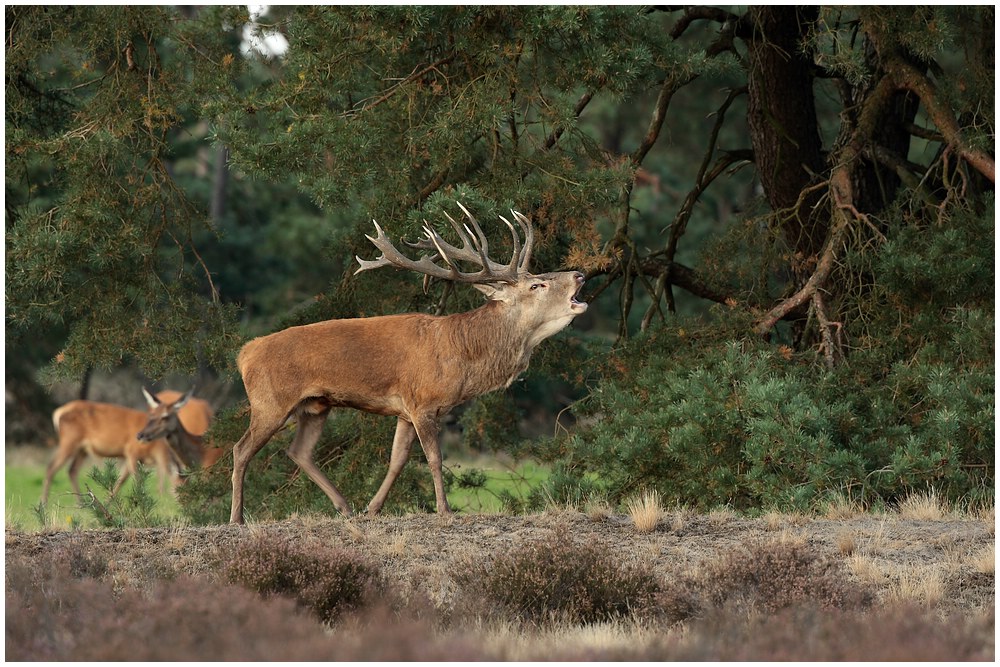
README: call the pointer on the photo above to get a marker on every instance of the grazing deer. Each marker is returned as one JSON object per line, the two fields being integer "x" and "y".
{"x": 415, "y": 367}
{"x": 106, "y": 430}
{"x": 164, "y": 421}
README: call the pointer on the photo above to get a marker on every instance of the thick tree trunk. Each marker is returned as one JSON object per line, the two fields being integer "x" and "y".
{"x": 783, "y": 127}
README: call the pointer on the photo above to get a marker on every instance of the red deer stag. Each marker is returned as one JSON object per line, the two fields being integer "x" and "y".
{"x": 413, "y": 366}
{"x": 164, "y": 421}
{"x": 107, "y": 430}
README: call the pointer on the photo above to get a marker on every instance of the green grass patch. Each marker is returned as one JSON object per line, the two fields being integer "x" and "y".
{"x": 483, "y": 486}
{"x": 23, "y": 489}
{"x": 492, "y": 487}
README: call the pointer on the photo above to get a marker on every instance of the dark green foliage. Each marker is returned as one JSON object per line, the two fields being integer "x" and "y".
{"x": 558, "y": 580}
{"x": 327, "y": 581}
{"x": 134, "y": 507}
{"x": 710, "y": 416}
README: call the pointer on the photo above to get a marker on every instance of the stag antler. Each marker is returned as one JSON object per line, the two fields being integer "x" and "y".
{"x": 475, "y": 250}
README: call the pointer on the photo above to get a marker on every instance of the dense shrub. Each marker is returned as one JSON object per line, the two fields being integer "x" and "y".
{"x": 766, "y": 578}
{"x": 805, "y": 633}
{"x": 327, "y": 580}
{"x": 556, "y": 579}
{"x": 54, "y": 617}
{"x": 710, "y": 414}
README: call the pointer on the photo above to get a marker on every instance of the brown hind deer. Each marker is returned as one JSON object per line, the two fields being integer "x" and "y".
{"x": 415, "y": 367}
{"x": 165, "y": 422}
{"x": 107, "y": 430}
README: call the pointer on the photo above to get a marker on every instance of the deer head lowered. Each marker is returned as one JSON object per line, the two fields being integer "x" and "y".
{"x": 415, "y": 367}
{"x": 163, "y": 422}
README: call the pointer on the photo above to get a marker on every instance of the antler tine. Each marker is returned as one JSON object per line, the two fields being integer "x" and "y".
{"x": 475, "y": 250}
{"x": 529, "y": 239}
{"x": 434, "y": 237}
{"x": 461, "y": 231}
{"x": 483, "y": 246}
{"x": 515, "y": 258}
{"x": 392, "y": 257}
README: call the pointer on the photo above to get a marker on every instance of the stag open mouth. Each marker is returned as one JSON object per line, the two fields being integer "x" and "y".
{"x": 575, "y": 304}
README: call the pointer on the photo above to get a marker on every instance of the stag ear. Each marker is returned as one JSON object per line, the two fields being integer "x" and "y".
{"x": 151, "y": 400}
{"x": 494, "y": 291}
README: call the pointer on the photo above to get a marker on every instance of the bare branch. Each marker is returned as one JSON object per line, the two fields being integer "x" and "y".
{"x": 581, "y": 104}
{"x": 906, "y": 76}
{"x": 692, "y": 14}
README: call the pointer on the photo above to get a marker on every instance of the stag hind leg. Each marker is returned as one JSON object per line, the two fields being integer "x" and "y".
{"x": 405, "y": 433}
{"x": 301, "y": 451}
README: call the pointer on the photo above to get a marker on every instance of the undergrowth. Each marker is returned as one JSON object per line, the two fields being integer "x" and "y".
{"x": 556, "y": 578}
{"x": 64, "y": 605}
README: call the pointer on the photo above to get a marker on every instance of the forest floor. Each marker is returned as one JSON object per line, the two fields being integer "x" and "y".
{"x": 923, "y": 557}
{"x": 947, "y": 562}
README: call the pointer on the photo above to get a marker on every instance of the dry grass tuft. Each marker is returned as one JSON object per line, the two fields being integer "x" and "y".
{"x": 721, "y": 515}
{"x": 984, "y": 560}
{"x": 924, "y": 506}
{"x": 846, "y": 543}
{"x": 839, "y": 507}
{"x": 680, "y": 517}
{"x": 645, "y": 511}
{"x": 925, "y": 586}
{"x": 866, "y": 570}
{"x": 597, "y": 509}
{"x": 357, "y": 532}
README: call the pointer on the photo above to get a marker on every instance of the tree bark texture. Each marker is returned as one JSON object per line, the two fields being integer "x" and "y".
{"x": 783, "y": 127}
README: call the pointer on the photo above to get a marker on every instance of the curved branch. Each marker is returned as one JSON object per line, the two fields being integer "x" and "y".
{"x": 692, "y": 14}
{"x": 670, "y": 86}
{"x": 906, "y": 76}
{"x": 842, "y": 192}
{"x": 684, "y": 277}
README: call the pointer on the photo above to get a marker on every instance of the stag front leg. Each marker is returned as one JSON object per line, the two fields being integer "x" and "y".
{"x": 400, "y": 452}
{"x": 427, "y": 432}
{"x": 301, "y": 451}
{"x": 260, "y": 431}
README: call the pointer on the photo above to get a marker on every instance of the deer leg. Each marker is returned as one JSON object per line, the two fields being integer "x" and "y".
{"x": 164, "y": 470}
{"x": 301, "y": 451}
{"x": 400, "y": 452}
{"x": 127, "y": 469}
{"x": 74, "y": 473}
{"x": 253, "y": 440}
{"x": 62, "y": 455}
{"x": 427, "y": 432}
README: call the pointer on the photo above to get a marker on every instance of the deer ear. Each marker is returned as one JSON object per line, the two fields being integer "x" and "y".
{"x": 151, "y": 400}
{"x": 183, "y": 399}
{"x": 494, "y": 291}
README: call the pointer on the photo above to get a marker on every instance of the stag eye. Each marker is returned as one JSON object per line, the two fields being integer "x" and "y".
{"x": 537, "y": 285}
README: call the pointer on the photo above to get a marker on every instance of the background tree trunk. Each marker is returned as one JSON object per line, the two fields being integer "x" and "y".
{"x": 783, "y": 127}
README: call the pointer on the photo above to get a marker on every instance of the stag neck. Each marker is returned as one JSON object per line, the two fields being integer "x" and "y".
{"x": 490, "y": 337}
